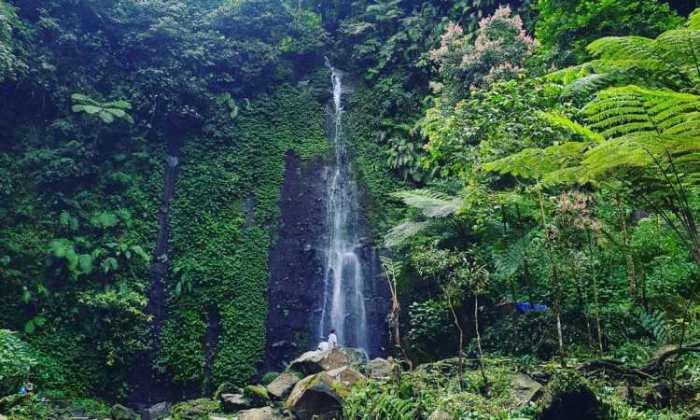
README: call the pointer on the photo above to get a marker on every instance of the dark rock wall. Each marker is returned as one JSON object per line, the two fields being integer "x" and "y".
{"x": 295, "y": 289}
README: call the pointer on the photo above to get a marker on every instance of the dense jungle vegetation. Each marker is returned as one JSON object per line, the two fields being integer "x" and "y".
{"x": 530, "y": 171}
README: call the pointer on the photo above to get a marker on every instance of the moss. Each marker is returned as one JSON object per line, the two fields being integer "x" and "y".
{"x": 199, "y": 409}
{"x": 257, "y": 393}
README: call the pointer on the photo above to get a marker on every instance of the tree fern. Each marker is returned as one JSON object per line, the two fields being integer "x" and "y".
{"x": 627, "y": 127}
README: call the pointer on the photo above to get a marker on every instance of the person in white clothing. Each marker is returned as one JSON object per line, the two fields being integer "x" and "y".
{"x": 332, "y": 340}
{"x": 323, "y": 346}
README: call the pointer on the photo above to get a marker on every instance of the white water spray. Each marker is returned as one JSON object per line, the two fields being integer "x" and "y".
{"x": 344, "y": 281}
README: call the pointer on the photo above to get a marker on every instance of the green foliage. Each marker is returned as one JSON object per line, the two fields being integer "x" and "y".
{"x": 373, "y": 402}
{"x": 106, "y": 111}
{"x": 18, "y": 362}
{"x": 569, "y": 25}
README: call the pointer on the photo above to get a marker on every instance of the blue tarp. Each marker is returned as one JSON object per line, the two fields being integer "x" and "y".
{"x": 525, "y": 307}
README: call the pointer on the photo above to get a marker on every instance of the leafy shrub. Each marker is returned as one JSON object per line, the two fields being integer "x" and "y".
{"x": 17, "y": 362}
{"x": 269, "y": 377}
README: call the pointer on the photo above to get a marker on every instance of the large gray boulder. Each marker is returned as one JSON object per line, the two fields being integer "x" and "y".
{"x": 120, "y": 412}
{"x": 346, "y": 376}
{"x": 316, "y": 397}
{"x": 234, "y": 402}
{"x": 381, "y": 368}
{"x": 265, "y": 413}
{"x": 282, "y": 385}
{"x": 158, "y": 411}
{"x": 313, "y": 362}
{"x": 525, "y": 389}
{"x": 440, "y": 415}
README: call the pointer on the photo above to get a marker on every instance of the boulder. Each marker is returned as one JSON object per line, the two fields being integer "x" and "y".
{"x": 257, "y": 394}
{"x": 568, "y": 397}
{"x": 120, "y": 412}
{"x": 357, "y": 356}
{"x": 316, "y": 397}
{"x": 282, "y": 385}
{"x": 313, "y": 362}
{"x": 346, "y": 376}
{"x": 158, "y": 411}
{"x": 265, "y": 413}
{"x": 440, "y": 415}
{"x": 195, "y": 409}
{"x": 234, "y": 402}
{"x": 381, "y": 368}
{"x": 525, "y": 389}
{"x": 225, "y": 388}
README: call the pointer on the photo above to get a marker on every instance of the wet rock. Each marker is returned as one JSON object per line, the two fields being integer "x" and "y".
{"x": 568, "y": 397}
{"x": 265, "y": 413}
{"x": 316, "y": 397}
{"x": 158, "y": 411}
{"x": 234, "y": 402}
{"x": 282, "y": 385}
{"x": 381, "y": 368}
{"x": 525, "y": 389}
{"x": 120, "y": 412}
{"x": 439, "y": 415}
{"x": 257, "y": 394}
{"x": 357, "y": 356}
{"x": 346, "y": 376}
{"x": 313, "y": 362}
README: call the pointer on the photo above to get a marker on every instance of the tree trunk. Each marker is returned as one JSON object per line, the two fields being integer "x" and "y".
{"x": 478, "y": 342}
{"x": 629, "y": 259}
{"x": 460, "y": 355}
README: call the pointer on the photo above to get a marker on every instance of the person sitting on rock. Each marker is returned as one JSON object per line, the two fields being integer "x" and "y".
{"x": 332, "y": 340}
{"x": 323, "y": 346}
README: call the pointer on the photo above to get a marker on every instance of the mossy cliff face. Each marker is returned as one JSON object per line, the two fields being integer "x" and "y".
{"x": 224, "y": 221}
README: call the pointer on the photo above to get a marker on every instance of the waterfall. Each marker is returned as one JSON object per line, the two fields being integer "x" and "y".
{"x": 344, "y": 277}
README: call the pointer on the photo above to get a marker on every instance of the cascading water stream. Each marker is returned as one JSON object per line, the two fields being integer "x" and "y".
{"x": 344, "y": 279}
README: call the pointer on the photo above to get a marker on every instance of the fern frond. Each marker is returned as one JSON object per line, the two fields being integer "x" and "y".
{"x": 679, "y": 45}
{"x": 694, "y": 20}
{"x": 509, "y": 261}
{"x": 637, "y": 150}
{"x": 400, "y": 233}
{"x": 533, "y": 163}
{"x": 623, "y": 47}
{"x": 589, "y": 84}
{"x": 432, "y": 204}
{"x": 627, "y": 110}
{"x": 559, "y": 120}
